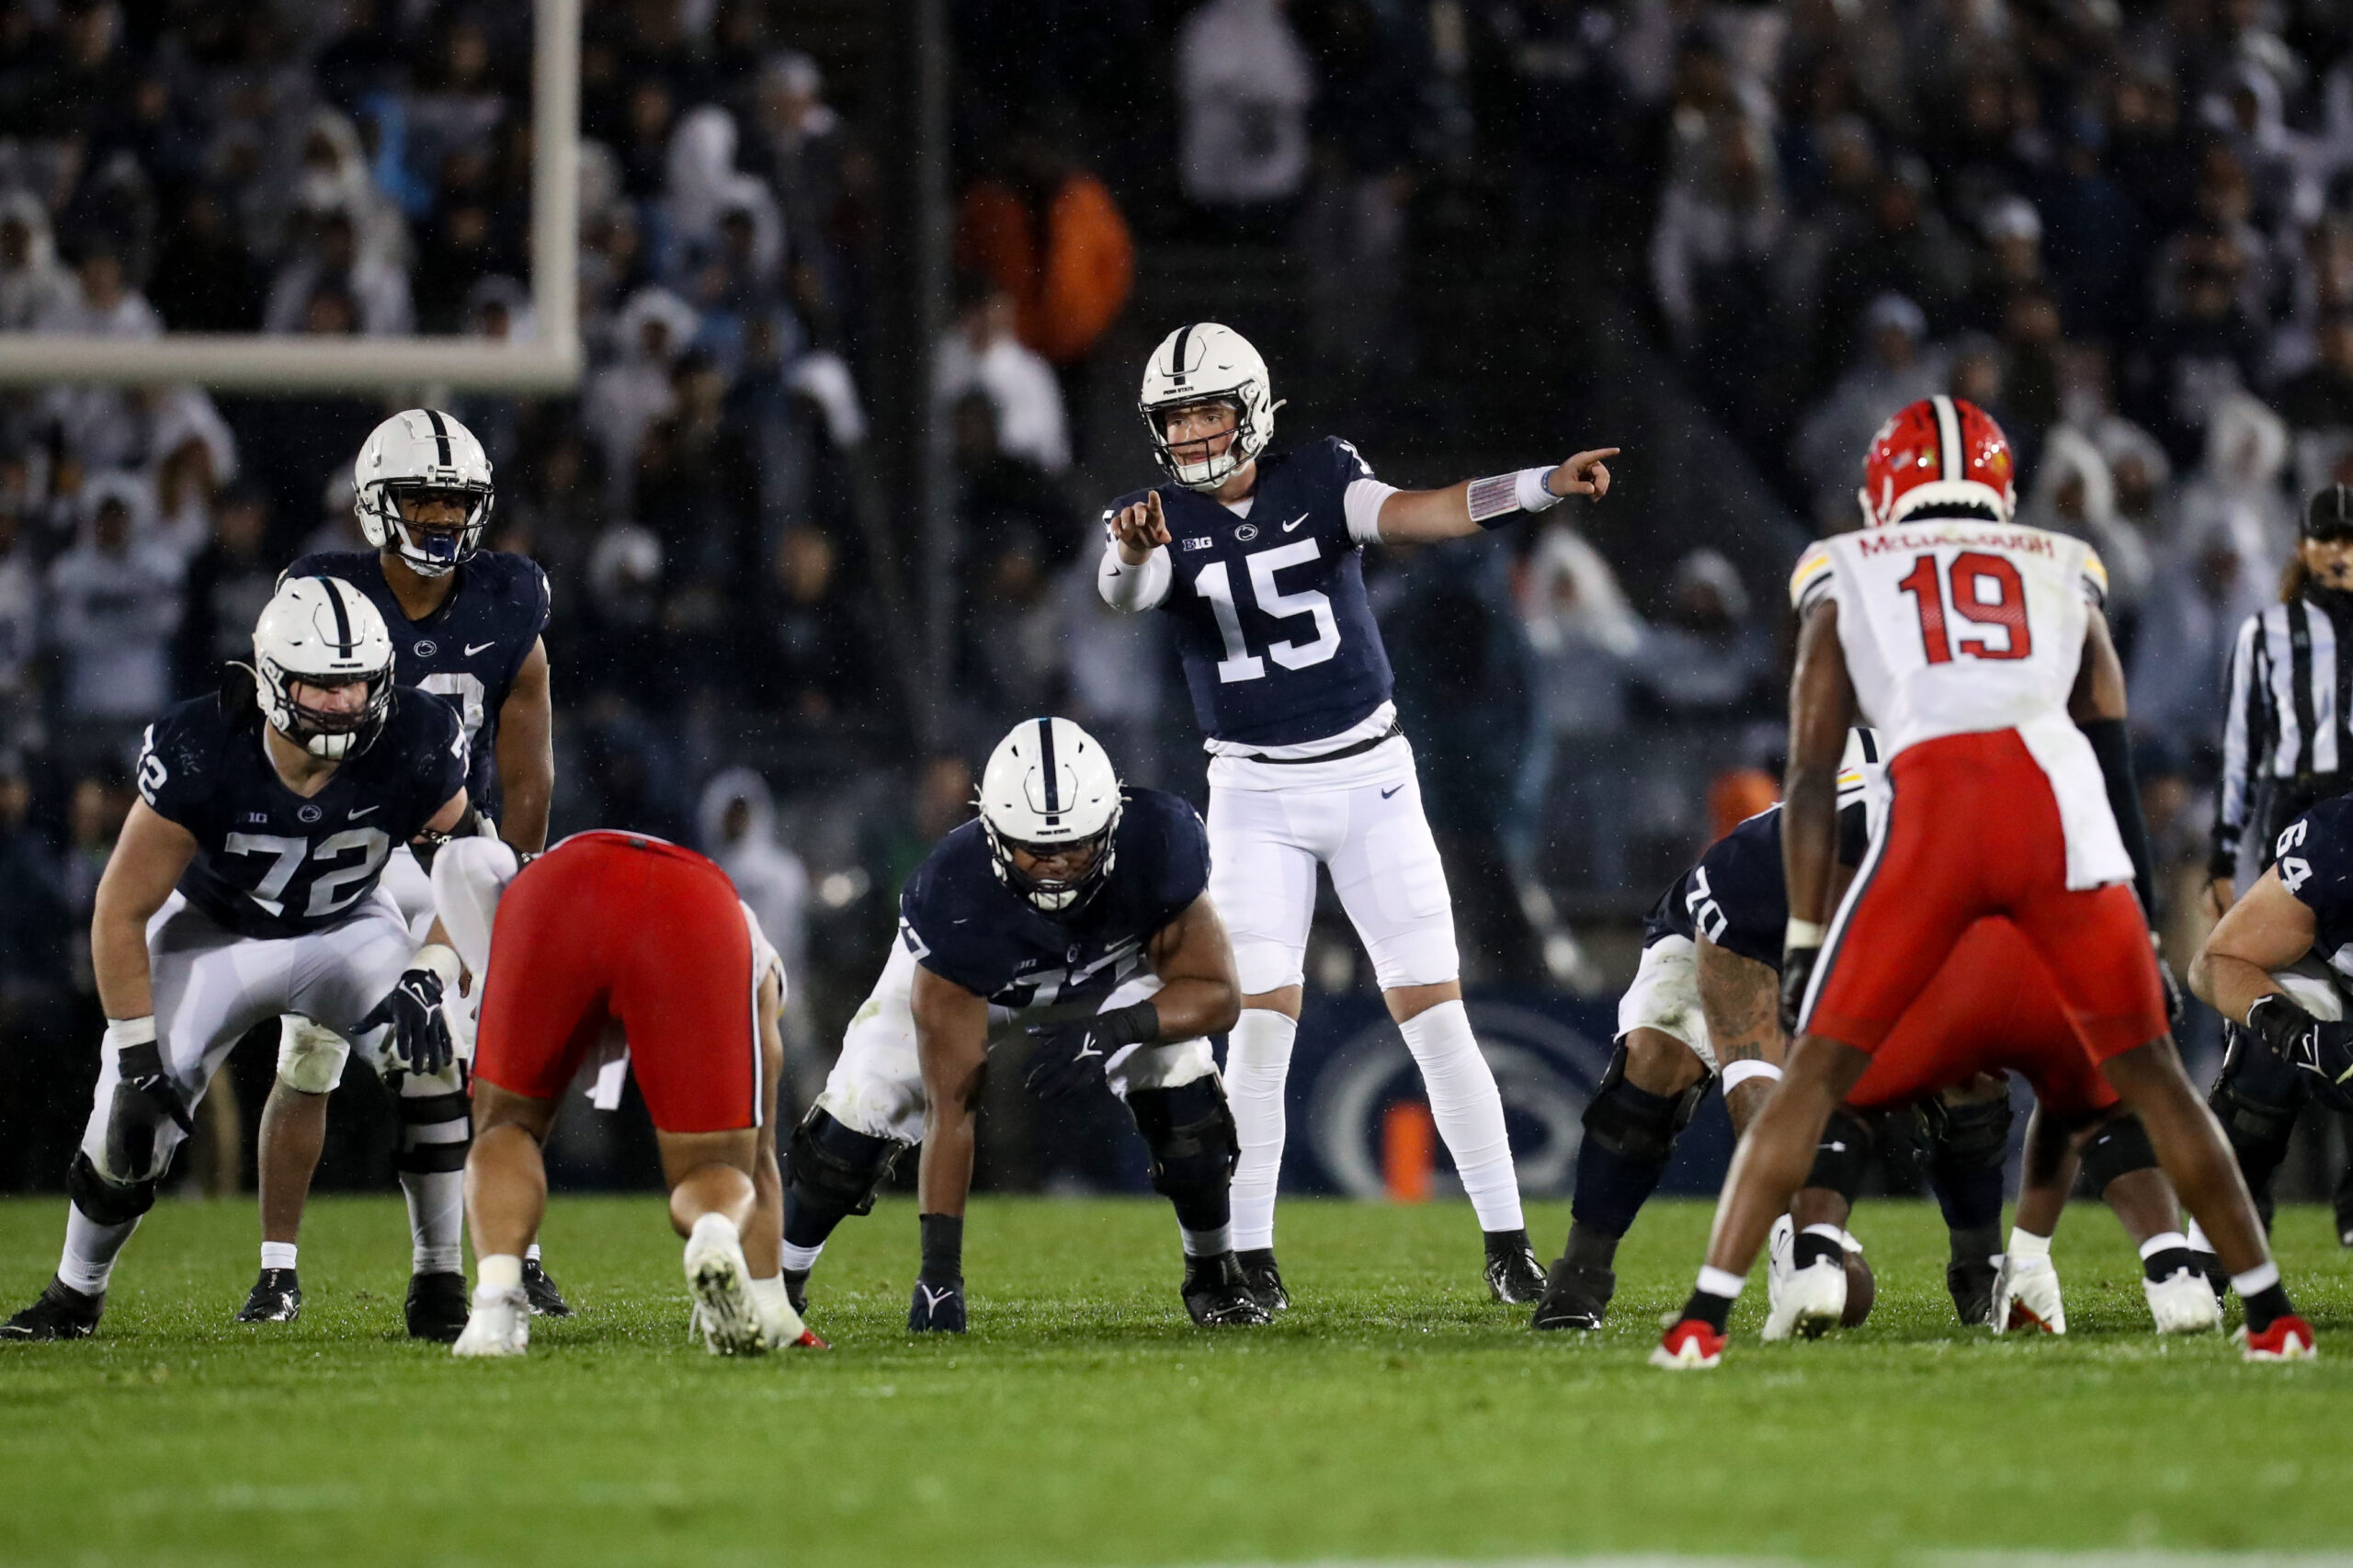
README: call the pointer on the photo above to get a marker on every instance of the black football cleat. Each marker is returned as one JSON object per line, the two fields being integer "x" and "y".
{"x": 1577, "y": 1296}
{"x": 60, "y": 1311}
{"x": 438, "y": 1307}
{"x": 1264, "y": 1279}
{"x": 276, "y": 1297}
{"x": 1514, "y": 1277}
{"x": 1971, "y": 1285}
{"x": 796, "y": 1289}
{"x": 539, "y": 1288}
{"x": 1217, "y": 1293}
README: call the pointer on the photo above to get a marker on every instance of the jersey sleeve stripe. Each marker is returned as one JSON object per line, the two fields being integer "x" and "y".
{"x": 1811, "y": 578}
{"x": 2095, "y": 577}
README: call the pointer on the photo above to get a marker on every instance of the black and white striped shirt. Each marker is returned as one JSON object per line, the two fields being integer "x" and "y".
{"x": 2291, "y": 702}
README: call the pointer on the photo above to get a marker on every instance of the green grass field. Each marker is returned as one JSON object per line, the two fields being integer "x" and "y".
{"x": 1391, "y": 1413}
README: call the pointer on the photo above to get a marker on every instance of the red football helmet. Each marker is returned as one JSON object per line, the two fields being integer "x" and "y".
{"x": 1939, "y": 451}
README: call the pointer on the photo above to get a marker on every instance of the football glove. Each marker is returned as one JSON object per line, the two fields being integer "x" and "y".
{"x": 141, "y": 1090}
{"x": 937, "y": 1308}
{"x": 1070, "y": 1057}
{"x": 420, "y": 1039}
{"x": 1797, "y": 974}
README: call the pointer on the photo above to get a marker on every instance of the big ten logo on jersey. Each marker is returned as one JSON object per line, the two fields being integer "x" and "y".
{"x": 2294, "y": 870}
{"x": 1035, "y": 985}
{"x": 1270, "y": 603}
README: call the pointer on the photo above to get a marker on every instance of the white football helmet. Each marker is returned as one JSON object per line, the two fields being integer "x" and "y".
{"x": 1049, "y": 788}
{"x": 323, "y": 632}
{"x": 1207, "y": 363}
{"x": 416, "y": 452}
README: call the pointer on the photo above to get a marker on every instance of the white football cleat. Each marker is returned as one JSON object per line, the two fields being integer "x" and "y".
{"x": 2026, "y": 1295}
{"x": 1811, "y": 1301}
{"x": 2184, "y": 1303}
{"x": 721, "y": 1282}
{"x": 1781, "y": 1246}
{"x": 499, "y": 1325}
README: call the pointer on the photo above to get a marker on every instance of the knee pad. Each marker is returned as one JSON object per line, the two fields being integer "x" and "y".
{"x": 310, "y": 1056}
{"x": 837, "y": 1168}
{"x": 2254, "y": 1075}
{"x": 103, "y": 1202}
{"x": 2120, "y": 1147}
{"x": 1189, "y": 1131}
{"x": 1844, "y": 1154}
{"x": 2253, "y": 1123}
{"x": 1634, "y": 1122}
{"x": 1965, "y": 1138}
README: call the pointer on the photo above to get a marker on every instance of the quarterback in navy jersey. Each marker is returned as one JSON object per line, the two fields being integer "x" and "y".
{"x": 1259, "y": 557}
{"x": 465, "y": 624}
{"x": 246, "y": 882}
{"x": 1077, "y": 911}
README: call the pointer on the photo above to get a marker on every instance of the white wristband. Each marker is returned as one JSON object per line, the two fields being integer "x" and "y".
{"x": 1736, "y": 1074}
{"x": 1803, "y": 934}
{"x": 442, "y": 960}
{"x": 123, "y": 1033}
{"x": 1535, "y": 494}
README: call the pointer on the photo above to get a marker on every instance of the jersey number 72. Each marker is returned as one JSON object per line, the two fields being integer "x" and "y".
{"x": 1972, "y": 574}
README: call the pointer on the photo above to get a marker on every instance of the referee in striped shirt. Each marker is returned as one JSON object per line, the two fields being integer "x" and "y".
{"x": 2287, "y": 744}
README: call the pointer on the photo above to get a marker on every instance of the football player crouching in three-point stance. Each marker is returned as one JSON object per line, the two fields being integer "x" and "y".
{"x": 465, "y": 624}
{"x": 246, "y": 883}
{"x": 1077, "y": 911}
{"x": 1706, "y": 1002}
{"x": 1259, "y": 558}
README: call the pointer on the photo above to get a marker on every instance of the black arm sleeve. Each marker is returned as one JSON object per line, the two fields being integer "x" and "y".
{"x": 2113, "y": 745}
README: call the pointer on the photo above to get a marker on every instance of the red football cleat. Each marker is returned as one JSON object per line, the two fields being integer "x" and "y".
{"x": 2289, "y": 1338}
{"x": 1691, "y": 1345}
{"x": 809, "y": 1341}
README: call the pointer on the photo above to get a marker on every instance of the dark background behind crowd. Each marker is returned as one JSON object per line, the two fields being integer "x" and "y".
{"x": 1468, "y": 234}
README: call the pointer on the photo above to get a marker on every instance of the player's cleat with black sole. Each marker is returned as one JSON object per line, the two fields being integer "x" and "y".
{"x": 796, "y": 1289}
{"x": 1577, "y": 1296}
{"x": 1217, "y": 1293}
{"x": 2289, "y": 1338}
{"x": 1514, "y": 1277}
{"x": 276, "y": 1297}
{"x": 1264, "y": 1279}
{"x": 1971, "y": 1285}
{"x": 60, "y": 1311}
{"x": 539, "y": 1288}
{"x": 438, "y": 1307}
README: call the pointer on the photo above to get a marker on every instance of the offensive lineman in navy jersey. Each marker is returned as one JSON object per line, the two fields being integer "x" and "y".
{"x": 1258, "y": 558}
{"x": 465, "y": 624}
{"x": 246, "y": 882}
{"x": 1079, "y": 912}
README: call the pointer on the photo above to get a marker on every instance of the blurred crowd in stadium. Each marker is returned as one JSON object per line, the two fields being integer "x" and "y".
{"x": 2124, "y": 227}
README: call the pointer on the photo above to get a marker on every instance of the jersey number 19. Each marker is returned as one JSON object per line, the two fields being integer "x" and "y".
{"x": 1973, "y": 574}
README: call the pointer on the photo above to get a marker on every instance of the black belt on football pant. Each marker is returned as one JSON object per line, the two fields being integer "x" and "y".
{"x": 1358, "y": 749}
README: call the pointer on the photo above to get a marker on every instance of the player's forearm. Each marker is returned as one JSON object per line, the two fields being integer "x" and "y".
{"x": 528, "y": 792}
{"x": 1189, "y": 1009}
{"x": 944, "y": 1177}
{"x": 1741, "y": 1001}
{"x": 1130, "y": 580}
{"x": 1426, "y": 516}
{"x": 2228, "y": 984}
{"x": 119, "y": 958}
{"x": 1810, "y": 840}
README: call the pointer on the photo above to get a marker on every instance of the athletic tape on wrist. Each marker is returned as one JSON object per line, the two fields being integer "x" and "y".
{"x": 1500, "y": 495}
{"x": 123, "y": 1033}
{"x": 1736, "y": 1074}
{"x": 442, "y": 959}
{"x": 1803, "y": 934}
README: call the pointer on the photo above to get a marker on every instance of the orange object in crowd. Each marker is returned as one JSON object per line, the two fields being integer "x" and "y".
{"x": 1070, "y": 282}
{"x": 1408, "y": 1151}
{"x": 1737, "y": 795}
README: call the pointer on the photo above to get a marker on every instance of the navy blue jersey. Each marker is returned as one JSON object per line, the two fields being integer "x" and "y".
{"x": 964, "y": 924}
{"x": 468, "y": 651}
{"x": 268, "y": 862}
{"x": 1736, "y": 893}
{"x": 2315, "y": 864}
{"x": 1278, "y": 638}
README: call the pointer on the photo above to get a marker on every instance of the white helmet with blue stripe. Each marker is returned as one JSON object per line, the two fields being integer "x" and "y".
{"x": 1048, "y": 791}
{"x": 1207, "y": 362}
{"x": 323, "y": 632}
{"x": 416, "y": 453}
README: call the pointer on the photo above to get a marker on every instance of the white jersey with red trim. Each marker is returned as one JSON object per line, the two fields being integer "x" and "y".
{"x": 1952, "y": 626}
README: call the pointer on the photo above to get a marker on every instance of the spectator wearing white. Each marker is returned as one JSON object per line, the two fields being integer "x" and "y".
{"x": 2236, "y": 488}
{"x": 334, "y": 173}
{"x": 20, "y": 593}
{"x": 193, "y": 455}
{"x": 627, "y": 396}
{"x": 985, "y": 354}
{"x": 737, "y": 822}
{"x": 102, "y": 304}
{"x": 2073, "y": 493}
{"x": 330, "y": 252}
{"x": 1895, "y": 369}
{"x": 702, "y": 185}
{"x": 1731, "y": 218}
{"x": 33, "y": 287}
{"x": 113, "y": 604}
{"x": 1585, "y": 633}
{"x": 1244, "y": 83}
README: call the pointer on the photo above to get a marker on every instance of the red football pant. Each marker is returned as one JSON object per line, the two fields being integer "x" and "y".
{"x": 1993, "y": 1007}
{"x": 1973, "y": 831}
{"x": 613, "y": 928}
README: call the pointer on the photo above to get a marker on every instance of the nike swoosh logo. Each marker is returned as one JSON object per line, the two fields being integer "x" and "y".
{"x": 1391, "y": 791}
{"x": 358, "y": 811}
{"x": 475, "y": 648}
{"x": 931, "y": 1297}
{"x": 1086, "y": 1050}
{"x": 1294, "y": 522}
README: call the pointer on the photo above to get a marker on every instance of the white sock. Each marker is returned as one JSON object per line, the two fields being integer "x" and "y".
{"x": 499, "y": 1271}
{"x": 278, "y": 1255}
{"x": 2027, "y": 1246}
{"x": 1469, "y": 1111}
{"x": 1257, "y": 1061}
{"x": 531, "y": 1252}
{"x": 801, "y": 1260}
{"x": 436, "y": 1219}
{"x": 1722, "y": 1282}
{"x": 769, "y": 1294}
{"x": 2164, "y": 1240}
{"x": 90, "y": 1251}
{"x": 1207, "y": 1244}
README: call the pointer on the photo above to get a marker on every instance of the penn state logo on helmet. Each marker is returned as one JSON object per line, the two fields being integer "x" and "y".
{"x": 419, "y": 455}
{"x": 1207, "y": 363}
{"x": 1050, "y": 793}
{"x": 1941, "y": 457}
{"x": 323, "y": 632}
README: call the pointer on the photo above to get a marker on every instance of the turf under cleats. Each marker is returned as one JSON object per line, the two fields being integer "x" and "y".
{"x": 1217, "y": 1293}
{"x": 500, "y": 1323}
{"x": 2183, "y": 1302}
{"x": 276, "y": 1297}
{"x": 1576, "y": 1295}
{"x": 1690, "y": 1346}
{"x": 2026, "y": 1295}
{"x": 1810, "y": 1301}
{"x": 1264, "y": 1279}
{"x": 539, "y": 1288}
{"x": 721, "y": 1283}
{"x": 60, "y": 1311}
{"x": 436, "y": 1307}
{"x": 1971, "y": 1282}
{"x": 1514, "y": 1277}
{"x": 2289, "y": 1338}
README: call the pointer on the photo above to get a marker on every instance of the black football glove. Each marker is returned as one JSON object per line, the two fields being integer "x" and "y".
{"x": 143, "y": 1089}
{"x": 2322, "y": 1053}
{"x": 1071, "y": 1056}
{"x": 1797, "y": 976}
{"x": 420, "y": 1039}
{"x": 937, "y": 1308}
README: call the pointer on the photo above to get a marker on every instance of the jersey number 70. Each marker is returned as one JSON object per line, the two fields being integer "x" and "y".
{"x": 1971, "y": 573}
